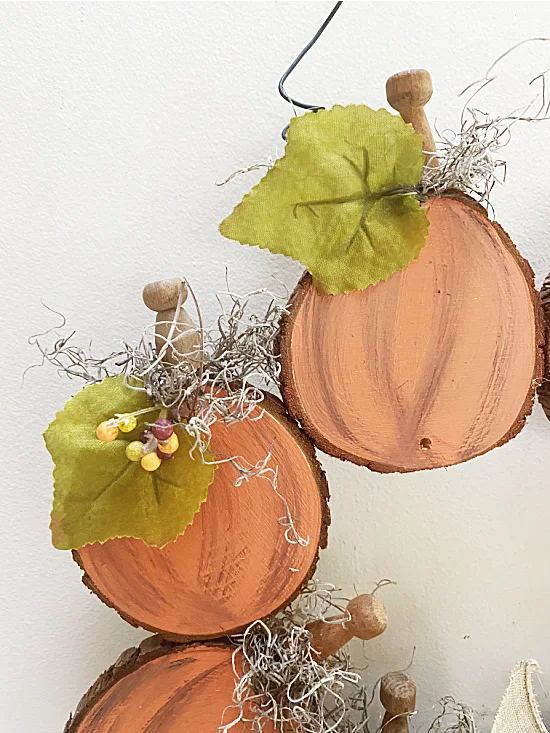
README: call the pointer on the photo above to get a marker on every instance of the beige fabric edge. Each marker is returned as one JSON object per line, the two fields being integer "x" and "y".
{"x": 519, "y": 711}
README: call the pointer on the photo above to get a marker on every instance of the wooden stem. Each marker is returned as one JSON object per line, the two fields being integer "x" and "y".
{"x": 368, "y": 619}
{"x": 163, "y": 297}
{"x": 398, "y": 697}
{"x": 408, "y": 92}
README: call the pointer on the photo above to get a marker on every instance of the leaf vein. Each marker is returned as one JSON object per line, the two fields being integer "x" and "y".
{"x": 167, "y": 481}
{"x": 105, "y": 488}
{"x": 156, "y": 488}
{"x": 321, "y": 202}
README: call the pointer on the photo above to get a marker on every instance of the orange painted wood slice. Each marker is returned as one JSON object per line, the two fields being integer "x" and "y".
{"x": 544, "y": 390}
{"x": 233, "y": 565}
{"x": 162, "y": 689}
{"x": 432, "y": 367}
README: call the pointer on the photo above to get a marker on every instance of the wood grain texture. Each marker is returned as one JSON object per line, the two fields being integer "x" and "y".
{"x": 432, "y": 367}
{"x": 161, "y": 688}
{"x": 233, "y": 565}
{"x": 544, "y": 389}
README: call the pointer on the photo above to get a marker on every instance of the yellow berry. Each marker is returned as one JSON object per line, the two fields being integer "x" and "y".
{"x": 134, "y": 450}
{"x": 107, "y": 431}
{"x": 171, "y": 445}
{"x": 127, "y": 423}
{"x": 150, "y": 461}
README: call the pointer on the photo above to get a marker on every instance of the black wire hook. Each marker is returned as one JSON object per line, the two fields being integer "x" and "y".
{"x": 294, "y": 64}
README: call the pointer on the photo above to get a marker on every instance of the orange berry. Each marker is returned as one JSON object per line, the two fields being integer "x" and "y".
{"x": 169, "y": 446}
{"x": 107, "y": 431}
{"x": 150, "y": 461}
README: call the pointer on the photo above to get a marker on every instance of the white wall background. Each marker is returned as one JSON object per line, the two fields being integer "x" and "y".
{"x": 116, "y": 121}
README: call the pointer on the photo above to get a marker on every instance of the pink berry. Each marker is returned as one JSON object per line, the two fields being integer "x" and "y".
{"x": 163, "y": 428}
{"x": 164, "y": 456}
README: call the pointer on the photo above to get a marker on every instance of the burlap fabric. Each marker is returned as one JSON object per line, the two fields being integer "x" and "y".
{"x": 519, "y": 710}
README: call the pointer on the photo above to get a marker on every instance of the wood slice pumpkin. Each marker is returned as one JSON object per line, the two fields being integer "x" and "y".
{"x": 432, "y": 367}
{"x": 233, "y": 565}
{"x": 162, "y": 688}
{"x": 544, "y": 389}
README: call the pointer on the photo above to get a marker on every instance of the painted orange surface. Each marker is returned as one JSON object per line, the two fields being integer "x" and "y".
{"x": 430, "y": 368}
{"x": 233, "y": 565}
{"x": 187, "y": 690}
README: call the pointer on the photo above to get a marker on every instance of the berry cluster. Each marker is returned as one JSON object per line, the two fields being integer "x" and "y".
{"x": 155, "y": 445}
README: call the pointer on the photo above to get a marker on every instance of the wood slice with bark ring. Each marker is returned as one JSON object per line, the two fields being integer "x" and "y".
{"x": 162, "y": 688}
{"x": 430, "y": 368}
{"x": 544, "y": 389}
{"x": 233, "y": 565}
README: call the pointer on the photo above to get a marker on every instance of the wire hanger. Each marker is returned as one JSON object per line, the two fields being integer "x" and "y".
{"x": 294, "y": 64}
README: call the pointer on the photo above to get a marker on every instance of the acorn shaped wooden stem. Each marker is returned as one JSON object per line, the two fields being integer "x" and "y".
{"x": 173, "y": 323}
{"x": 368, "y": 619}
{"x": 408, "y": 92}
{"x": 398, "y": 697}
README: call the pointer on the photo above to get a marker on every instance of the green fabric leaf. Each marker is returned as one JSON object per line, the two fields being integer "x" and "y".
{"x": 322, "y": 202}
{"x": 99, "y": 494}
